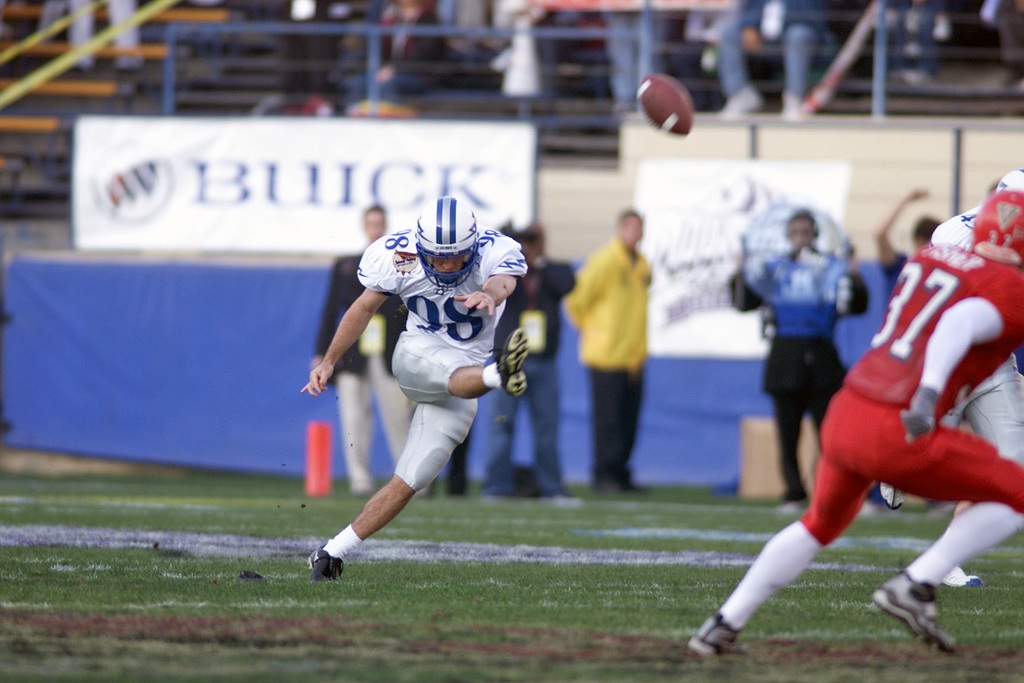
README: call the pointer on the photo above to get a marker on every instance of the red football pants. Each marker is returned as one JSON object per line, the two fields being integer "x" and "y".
{"x": 863, "y": 441}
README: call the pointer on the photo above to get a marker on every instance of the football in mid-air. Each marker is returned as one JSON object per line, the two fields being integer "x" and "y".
{"x": 666, "y": 103}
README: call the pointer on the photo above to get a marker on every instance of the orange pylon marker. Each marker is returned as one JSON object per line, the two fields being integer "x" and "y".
{"x": 318, "y": 458}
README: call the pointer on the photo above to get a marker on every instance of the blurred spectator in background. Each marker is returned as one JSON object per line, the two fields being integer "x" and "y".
{"x": 609, "y": 306}
{"x": 406, "y": 57}
{"x": 805, "y": 292}
{"x": 365, "y": 370}
{"x": 889, "y": 259}
{"x": 588, "y": 52}
{"x": 623, "y": 46}
{"x": 535, "y": 306}
{"x": 520, "y": 61}
{"x": 465, "y": 14}
{"x": 1008, "y": 17}
{"x": 697, "y": 59}
{"x": 81, "y": 29}
{"x": 796, "y": 26}
{"x": 309, "y": 57}
{"x": 915, "y": 28}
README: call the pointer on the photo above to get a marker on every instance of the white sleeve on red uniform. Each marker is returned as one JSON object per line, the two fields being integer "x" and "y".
{"x": 967, "y": 323}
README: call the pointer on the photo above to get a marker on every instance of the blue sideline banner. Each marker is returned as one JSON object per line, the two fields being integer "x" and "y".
{"x": 285, "y": 185}
{"x": 195, "y": 363}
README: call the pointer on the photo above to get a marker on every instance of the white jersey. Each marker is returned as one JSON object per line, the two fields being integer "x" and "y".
{"x": 958, "y": 230}
{"x": 390, "y": 265}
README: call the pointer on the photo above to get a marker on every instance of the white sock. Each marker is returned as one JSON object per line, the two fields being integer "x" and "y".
{"x": 978, "y": 529}
{"x": 492, "y": 377}
{"x": 782, "y": 559}
{"x": 343, "y": 543}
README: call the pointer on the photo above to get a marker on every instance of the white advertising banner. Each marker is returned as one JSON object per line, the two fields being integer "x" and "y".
{"x": 285, "y": 185}
{"x": 695, "y": 213}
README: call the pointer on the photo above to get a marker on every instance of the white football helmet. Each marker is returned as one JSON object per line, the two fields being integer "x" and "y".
{"x": 1014, "y": 180}
{"x": 446, "y": 229}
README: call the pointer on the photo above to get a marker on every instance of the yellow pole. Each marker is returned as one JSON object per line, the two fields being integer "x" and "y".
{"x": 59, "y": 65}
{"x": 47, "y": 31}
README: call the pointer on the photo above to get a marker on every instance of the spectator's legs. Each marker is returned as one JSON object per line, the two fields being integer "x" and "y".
{"x": 799, "y": 44}
{"x": 631, "y": 420}
{"x": 789, "y": 411}
{"x": 80, "y": 31}
{"x": 928, "y": 62}
{"x": 394, "y": 407}
{"x": 1010, "y": 21}
{"x": 732, "y": 62}
{"x": 542, "y": 397}
{"x": 498, "y": 476}
{"x": 734, "y": 74}
{"x": 122, "y": 10}
{"x": 457, "y": 468}
{"x": 355, "y": 410}
{"x": 622, "y": 54}
{"x": 607, "y": 391}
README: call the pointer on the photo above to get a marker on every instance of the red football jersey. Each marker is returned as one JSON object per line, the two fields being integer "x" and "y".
{"x": 929, "y": 284}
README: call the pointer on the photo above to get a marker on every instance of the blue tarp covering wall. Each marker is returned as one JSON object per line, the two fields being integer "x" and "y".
{"x": 201, "y": 364}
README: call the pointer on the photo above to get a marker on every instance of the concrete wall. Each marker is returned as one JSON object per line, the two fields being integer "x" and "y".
{"x": 889, "y": 157}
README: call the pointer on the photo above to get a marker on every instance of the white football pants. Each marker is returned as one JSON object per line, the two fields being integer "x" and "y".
{"x": 423, "y": 364}
{"x": 995, "y": 411}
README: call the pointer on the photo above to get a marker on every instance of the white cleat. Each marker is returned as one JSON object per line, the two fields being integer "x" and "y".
{"x": 958, "y": 578}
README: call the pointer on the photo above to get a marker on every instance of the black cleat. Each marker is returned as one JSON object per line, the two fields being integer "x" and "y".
{"x": 324, "y": 567}
{"x": 510, "y": 362}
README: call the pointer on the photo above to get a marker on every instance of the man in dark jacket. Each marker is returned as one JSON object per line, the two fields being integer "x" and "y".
{"x": 535, "y": 306}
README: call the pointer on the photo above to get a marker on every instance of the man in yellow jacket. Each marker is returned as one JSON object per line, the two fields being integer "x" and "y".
{"x": 609, "y": 306}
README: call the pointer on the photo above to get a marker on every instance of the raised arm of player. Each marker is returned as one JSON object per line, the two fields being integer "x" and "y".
{"x": 352, "y": 324}
{"x": 496, "y": 289}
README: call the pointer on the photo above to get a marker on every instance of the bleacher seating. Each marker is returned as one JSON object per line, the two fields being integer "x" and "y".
{"x": 221, "y": 67}
{"x": 56, "y": 48}
{"x": 21, "y": 12}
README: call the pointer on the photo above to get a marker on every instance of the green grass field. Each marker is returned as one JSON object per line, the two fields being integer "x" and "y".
{"x": 136, "y": 577}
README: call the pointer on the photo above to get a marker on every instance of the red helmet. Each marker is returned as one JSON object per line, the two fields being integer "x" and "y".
{"x": 999, "y": 228}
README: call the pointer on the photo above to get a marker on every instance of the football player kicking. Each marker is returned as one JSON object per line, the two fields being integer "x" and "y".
{"x": 953, "y": 318}
{"x": 454, "y": 279}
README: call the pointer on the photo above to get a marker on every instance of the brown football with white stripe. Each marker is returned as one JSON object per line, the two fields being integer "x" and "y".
{"x": 666, "y": 103}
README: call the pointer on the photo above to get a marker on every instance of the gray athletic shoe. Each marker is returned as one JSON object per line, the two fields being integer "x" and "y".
{"x": 715, "y": 637}
{"x": 510, "y": 362}
{"x": 914, "y": 604}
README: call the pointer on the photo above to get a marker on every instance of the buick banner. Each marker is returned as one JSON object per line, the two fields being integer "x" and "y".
{"x": 285, "y": 185}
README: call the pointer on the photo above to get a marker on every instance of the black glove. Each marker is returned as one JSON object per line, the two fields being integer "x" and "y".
{"x": 919, "y": 418}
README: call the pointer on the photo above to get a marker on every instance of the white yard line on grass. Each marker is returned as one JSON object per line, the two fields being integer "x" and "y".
{"x": 230, "y": 545}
